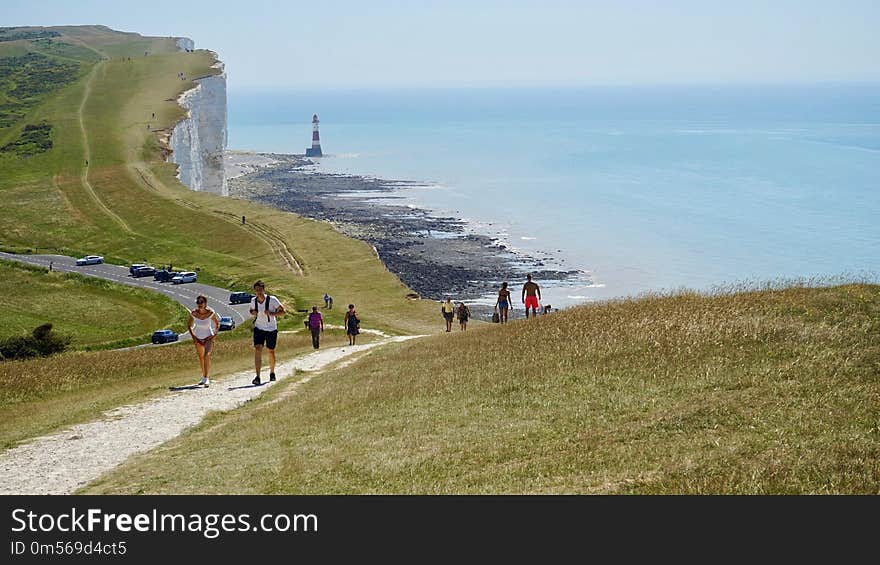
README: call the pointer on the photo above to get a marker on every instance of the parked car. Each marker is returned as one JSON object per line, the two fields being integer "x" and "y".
{"x": 144, "y": 272}
{"x": 164, "y": 275}
{"x": 134, "y": 267}
{"x": 226, "y": 323}
{"x": 185, "y": 277}
{"x": 90, "y": 260}
{"x": 240, "y": 297}
{"x": 164, "y": 336}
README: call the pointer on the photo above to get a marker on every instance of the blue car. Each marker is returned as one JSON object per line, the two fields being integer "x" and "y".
{"x": 164, "y": 336}
{"x": 240, "y": 297}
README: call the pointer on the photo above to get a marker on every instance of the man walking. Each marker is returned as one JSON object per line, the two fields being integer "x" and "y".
{"x": 316, "y": 326}
{"x": 266, "y": 309}
{"x": 531, "y": 294}
{"x": 448, "y": 311}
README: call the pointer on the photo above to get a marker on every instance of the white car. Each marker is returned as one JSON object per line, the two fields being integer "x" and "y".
{"x": 185, "y": 277}
{"x": 90, "y": 260}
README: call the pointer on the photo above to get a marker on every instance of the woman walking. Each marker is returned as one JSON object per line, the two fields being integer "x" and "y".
{"x": 504, "y": 302}
{"x": 203, "y": 324}
{"x": 463, "y": 313}
{"x": 352, "y": 323}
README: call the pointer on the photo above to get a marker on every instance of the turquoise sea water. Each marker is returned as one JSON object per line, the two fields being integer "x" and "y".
{"x": 644, "y": 188}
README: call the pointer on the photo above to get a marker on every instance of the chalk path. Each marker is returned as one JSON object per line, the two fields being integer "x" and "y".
{"x": 62, "y": 462}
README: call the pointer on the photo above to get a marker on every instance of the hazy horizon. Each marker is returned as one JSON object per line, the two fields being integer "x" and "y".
{"x": 352, "y": 45}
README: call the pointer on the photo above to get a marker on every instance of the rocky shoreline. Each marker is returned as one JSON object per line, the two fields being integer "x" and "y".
{"x": 435, "y": 256}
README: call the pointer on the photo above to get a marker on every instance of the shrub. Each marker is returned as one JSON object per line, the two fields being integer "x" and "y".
{"x": 41, "y": 343}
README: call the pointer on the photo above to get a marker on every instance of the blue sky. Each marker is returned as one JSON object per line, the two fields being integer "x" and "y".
{"x": 486, "y": 42}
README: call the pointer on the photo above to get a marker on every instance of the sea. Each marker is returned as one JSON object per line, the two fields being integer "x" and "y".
{"x": 641, "y": 189}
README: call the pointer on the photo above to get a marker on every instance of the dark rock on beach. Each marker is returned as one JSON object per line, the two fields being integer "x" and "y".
{"x": 434, "y": 256}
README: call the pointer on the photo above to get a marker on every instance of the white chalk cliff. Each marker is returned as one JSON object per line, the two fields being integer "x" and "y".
{"x": 198, "y": 142}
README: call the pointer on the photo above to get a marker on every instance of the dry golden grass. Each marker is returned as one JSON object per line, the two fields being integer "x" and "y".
{"x": 774, "y": 391}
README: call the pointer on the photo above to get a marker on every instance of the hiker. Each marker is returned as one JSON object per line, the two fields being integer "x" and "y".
{"x": 87, "y": 162}
{"x": 316, "y": 326}
{"x": 448, "y": 311}
{"x": 154, "y": 114}
{"x": 352, "y": 324}
{"x": 504, "y": 303}
{"x": 243, "y": 220}
{"x": 463, "y": 314}
{"x": 531, "y": 294}
{"x": 203, "y": 325}
{"x": 326, "y": 300}
{"x": 50, "y": 266}
{"x": 266, "y": 309}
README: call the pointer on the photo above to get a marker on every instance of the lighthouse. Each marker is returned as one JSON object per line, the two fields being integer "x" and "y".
{"x": 315, "y": 149}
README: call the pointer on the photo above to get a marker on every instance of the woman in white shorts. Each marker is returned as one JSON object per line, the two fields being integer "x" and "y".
{"x": 203, "y": 324}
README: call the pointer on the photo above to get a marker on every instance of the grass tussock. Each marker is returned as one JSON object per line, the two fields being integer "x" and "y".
{"x": 772, "y": 391}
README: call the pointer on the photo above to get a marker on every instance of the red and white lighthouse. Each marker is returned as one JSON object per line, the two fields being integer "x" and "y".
{"x": 315, "y": 149}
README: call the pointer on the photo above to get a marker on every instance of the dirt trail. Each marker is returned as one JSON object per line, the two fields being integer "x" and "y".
{"x": 84, "y": 177}
{"x": 64, "y": 461}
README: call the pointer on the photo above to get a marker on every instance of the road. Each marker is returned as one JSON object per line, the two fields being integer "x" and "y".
{"x": 185, "y": 294}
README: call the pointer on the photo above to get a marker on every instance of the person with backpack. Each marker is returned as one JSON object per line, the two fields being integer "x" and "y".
{"x": 463, "y": 314}
{"x": 352, "y": 324}
{"x": 265, "y": 309}
{"x": 203, "y": 325}
{"x": 316, "y": 326}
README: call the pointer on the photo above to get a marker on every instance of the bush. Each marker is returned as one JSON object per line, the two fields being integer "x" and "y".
{"x": 41, "y": 343}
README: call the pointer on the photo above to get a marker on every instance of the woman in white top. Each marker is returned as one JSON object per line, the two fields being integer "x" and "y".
{"x": 203, "y": 324}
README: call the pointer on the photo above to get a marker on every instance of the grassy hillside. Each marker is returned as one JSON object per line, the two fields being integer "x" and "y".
{"x": 72, "y": 95}
{"x": 776, "y": 391}
{"x": 127, "y": 203}
{"x": 95, "y": 313}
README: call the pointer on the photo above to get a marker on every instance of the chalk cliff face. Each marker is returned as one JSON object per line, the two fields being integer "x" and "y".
{"x": 198, "y": 142}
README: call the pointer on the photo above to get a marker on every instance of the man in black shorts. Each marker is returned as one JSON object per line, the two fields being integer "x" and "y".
{"x": 266, "y": 309}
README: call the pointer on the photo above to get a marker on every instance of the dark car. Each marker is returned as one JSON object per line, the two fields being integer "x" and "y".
{"x": 164, "y": 275}
{"x": 164, "y": 336}
{"x": 240, "y": 297}
{"x": 134, "y": 267}
{"x": 226, "y": 323}
{"x": 144, "y": 272}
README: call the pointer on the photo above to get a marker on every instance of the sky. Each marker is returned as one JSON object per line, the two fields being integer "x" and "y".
{"x": 382, "y": 43}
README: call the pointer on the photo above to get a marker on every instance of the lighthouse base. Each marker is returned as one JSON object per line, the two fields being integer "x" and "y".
{"x": 314, "y": 152}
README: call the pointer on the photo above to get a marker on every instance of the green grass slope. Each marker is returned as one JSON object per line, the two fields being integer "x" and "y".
{"x": 95, "y": 313}
{"x": 776, "y": 391}
{"x": 127, "y": 203}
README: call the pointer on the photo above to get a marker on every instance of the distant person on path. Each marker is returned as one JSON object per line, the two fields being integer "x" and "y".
{"x": 504, "y": 303}
{"x": 266, "y": 309}
{"x": 463, "y": 314}
{"x": 352, "y": 324}
{"x": 531, "y": 294}
{"x": 316, "y": 326}
{"x": 203, "y": 325}
{"x": 448, "y": 311}
{"x": 154, "y": 114}
{"x": 243, "y": 220}
{"x": 50, "y": 266}
{"x": 326, "y": 300}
